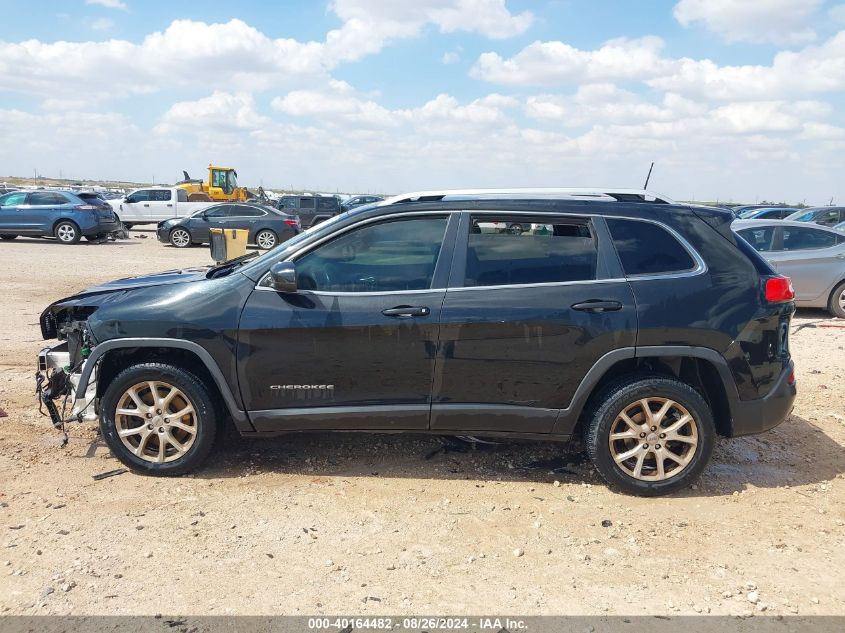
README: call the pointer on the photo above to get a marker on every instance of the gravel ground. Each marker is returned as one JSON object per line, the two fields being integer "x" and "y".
{"x": 381, "y": 524}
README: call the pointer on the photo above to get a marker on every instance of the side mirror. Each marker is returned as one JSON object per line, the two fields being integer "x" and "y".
{"x": 127, "y": 199}
{"x": 283, "y": 277}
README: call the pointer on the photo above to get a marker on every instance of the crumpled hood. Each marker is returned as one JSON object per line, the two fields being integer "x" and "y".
{"x": 143, "y": 281}
{"x": 112, "y": 290}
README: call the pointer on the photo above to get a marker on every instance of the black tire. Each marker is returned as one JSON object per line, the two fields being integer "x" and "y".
{"x": 67, "y": 232}
{"x": 625, "y": 394}
{"x": 175, "y": 237}
{"x": 7, "y": 236}
{"x": 193, "y": 392}
{"x": 836, "y": 305}
{"x": 96, "y": 238}
{"x": 266, "y": 239}
{"x": 128, "y": 225}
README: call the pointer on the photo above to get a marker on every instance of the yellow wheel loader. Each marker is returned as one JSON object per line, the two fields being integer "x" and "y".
{"x": 222, "y": 185}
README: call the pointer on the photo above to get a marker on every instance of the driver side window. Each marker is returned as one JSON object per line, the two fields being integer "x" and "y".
{"x": 386, "y": 257}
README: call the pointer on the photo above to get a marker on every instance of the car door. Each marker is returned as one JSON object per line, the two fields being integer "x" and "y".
{"x": 245, "y": 216}
{"x": 526, "y": 315}
{"x": 813, "y": 258}
{"x": 216, "y": 217}
{"x": 12, "y": 213}
{"x": 307, "y": 210}
{"x": 135, "y": 207}
{"x": 354, "y": 347}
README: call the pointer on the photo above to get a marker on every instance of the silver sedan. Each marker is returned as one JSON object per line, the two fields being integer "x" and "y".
{"x": 812, "y": 256}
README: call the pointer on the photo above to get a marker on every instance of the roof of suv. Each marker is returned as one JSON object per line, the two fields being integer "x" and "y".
{"x": 549, "y": 193}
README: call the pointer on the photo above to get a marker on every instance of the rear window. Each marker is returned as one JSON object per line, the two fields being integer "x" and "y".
{"x": 181, "y": 195}
{"x": 510, "y": 251}
{"x": 648, "y": 249}
{"x": 759, "y": 238}
{"x": 306, "y": 203}
{"x": 327, "y": 204}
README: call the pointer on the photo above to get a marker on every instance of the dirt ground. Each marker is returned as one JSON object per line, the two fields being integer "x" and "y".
{"x": 378, "y": 524}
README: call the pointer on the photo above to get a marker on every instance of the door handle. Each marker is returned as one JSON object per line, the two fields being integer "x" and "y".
{"x": 404, "y": 312}
{"x": 146, "y": 205}
{"x": 597, "y": 305}
{"x": 169, "y": 204}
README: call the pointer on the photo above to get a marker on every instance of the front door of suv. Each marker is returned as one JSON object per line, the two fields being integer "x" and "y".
{"x": 533, "y": 302}
{"x": 354, "y": 347}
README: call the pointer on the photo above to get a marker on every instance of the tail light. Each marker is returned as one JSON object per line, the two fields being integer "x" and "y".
{"x": 294, "y": 222}
{"x": 779, "y": 289}
{"x": 87, "y": 207}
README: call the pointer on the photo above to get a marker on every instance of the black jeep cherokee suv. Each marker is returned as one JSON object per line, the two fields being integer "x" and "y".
{"x": 644, "y": 326}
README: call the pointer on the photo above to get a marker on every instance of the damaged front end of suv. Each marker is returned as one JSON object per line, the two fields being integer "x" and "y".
{"x": 60, "y": 367}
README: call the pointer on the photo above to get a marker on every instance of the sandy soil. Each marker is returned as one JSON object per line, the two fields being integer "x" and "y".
{"x": 367, "y": 524}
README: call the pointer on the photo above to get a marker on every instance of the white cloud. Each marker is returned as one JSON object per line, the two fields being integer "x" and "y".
{"x": 368, "y": 25}
{"x": 817, "y": 68}
{"x": 450, "y": 57}
{"x": 548, "y": 63}
{"x": 814, "y": 69}
{"x": 102, "y": 24}
{"x": 186, "y": 54}
{"x": 220, "y": 113}
{"x": 109, "y": 4}
{"x": 777, "y": 21}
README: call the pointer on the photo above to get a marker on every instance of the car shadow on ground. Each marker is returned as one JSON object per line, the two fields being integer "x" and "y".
{"x": 51, "y": 241}
{"x": 796, "y": 453}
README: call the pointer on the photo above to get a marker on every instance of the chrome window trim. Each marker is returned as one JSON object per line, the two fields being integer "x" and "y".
{"x": 700, "y": 265}
{"x": 699, "y": 269}
{"x": 546, "y": 284}
{"x": 309, "y": 247}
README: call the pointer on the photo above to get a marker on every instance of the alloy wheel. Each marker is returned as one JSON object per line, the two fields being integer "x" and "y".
{"x": 653, "y": 439}
{"x": 66, "y": 233}
{"x": 180, "y": 238}
{"x": 265, "y": 240}
{"x": 156, "y": 421}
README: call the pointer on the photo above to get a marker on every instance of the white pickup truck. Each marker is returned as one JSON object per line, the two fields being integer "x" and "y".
{"x": 154, "y": 204}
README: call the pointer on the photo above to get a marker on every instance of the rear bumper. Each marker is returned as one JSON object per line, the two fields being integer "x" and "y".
{"x": 101, "y": 227}
{"x": 756, "y": 416}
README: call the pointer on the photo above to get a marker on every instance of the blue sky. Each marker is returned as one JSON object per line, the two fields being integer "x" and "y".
{"x": 733, "y": 100}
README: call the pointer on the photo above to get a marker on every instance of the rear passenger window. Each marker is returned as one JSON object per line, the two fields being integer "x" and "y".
{"x": 160, "y": 195}
{"x": 796, "y": 239}
{"x": 181, "y": 195}
{"x": 510, "y": 251}
{"x": 760, "y": 239}
{"x": 306, "y": 203}
{"x": 648, "y": 249}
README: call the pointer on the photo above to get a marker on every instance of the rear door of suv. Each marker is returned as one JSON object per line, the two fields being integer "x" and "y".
{"x": 526, "y": 315}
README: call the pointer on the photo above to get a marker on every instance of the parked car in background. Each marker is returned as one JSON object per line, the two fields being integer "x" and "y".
{"x": 813, "y": 257}
{"x": 154, "y": 204}
{"x": 767, "y": 213}
{"x": 267, "y": 226}
{"x": 357, "y": 201}
{"x": 826, "y": 216}
{"x": 61, "y": 214}
{"x": 840, "y": 226}
{"x": 311, "y": 209}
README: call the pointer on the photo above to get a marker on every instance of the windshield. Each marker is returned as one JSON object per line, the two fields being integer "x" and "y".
{"x": 801, "y": 216}
{"x": 232, "y": 180}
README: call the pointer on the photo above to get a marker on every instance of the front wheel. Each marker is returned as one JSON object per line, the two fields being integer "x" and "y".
{"x": 67, "y": 232}
{"x": 266, "y": 239}
{"x": 650, "y": 435}
{"x": 180, "y": 238}
{"x": 158, "y": 419}
{"x": 836, "y": 306}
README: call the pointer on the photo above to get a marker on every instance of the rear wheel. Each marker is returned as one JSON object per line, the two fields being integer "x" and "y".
{"x": 266, "y": 239}
{"x": 650, "y": 435}
{"x": 7, "y": 236}
{"x": 158, "y": 419}
{"x": 180, "y": 238}
{"x": 836, "y": 305}
{"x": 67, "y": 232}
